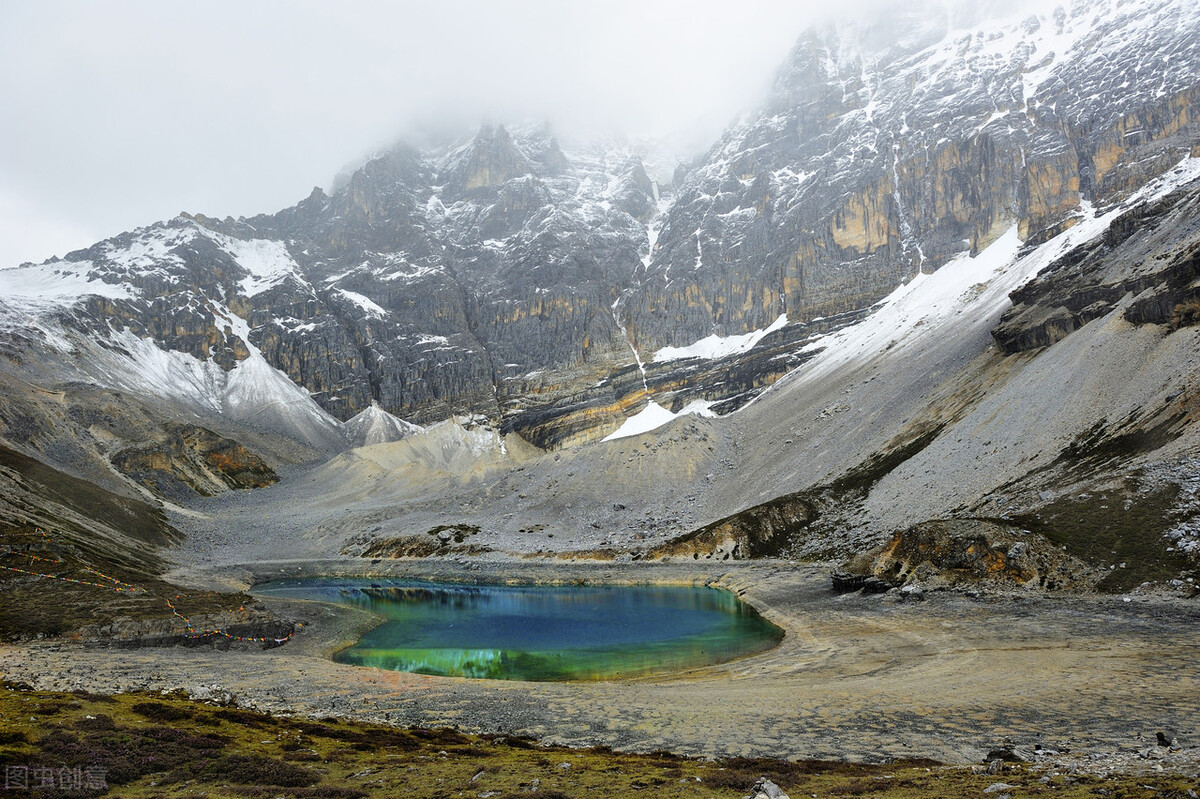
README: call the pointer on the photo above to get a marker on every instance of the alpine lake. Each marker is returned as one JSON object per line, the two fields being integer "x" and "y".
{"x": 539, "y": 632}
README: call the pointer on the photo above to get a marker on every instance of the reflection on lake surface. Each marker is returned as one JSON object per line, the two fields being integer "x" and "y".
{"x": 530, "y": 632}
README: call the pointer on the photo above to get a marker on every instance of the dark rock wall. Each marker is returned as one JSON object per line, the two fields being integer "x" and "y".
{"x": 507, "y": 278}
{"x": 1148, "y": 259}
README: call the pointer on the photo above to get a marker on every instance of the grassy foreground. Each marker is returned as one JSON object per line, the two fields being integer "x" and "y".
{"x": 166, "y": 746}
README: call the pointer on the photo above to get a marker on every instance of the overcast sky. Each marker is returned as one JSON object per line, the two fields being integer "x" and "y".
{"x": 120, "y": 114}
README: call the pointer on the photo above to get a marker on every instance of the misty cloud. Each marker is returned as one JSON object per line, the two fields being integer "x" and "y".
{"x": 123, "y": 114}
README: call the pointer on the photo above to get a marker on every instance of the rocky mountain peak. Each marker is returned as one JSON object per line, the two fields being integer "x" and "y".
{"x": 506, "y": 278}
{"x": 489, "y": 160}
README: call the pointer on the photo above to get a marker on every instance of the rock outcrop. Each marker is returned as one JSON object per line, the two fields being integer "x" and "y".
{"x": 765, "y": 789}
{"x": 957, "y": 552}
{"x": 1147, "y": 262}
{"x": 760, "y": 531}
{"x": 194, "y": 459}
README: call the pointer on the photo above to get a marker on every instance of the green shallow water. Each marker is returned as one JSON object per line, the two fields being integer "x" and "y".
{"x": 531, "y": 632}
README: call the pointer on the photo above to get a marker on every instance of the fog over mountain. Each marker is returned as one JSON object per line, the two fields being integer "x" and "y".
{"x": 135, "y": 111}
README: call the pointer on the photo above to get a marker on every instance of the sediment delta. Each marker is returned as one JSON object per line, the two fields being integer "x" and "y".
{"x": 951, "y": 676}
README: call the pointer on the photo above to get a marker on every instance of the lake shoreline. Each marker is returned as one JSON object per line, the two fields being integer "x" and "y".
{"x": 859, "y": 678}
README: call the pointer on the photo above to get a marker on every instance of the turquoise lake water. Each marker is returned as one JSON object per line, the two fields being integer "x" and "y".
{"x": 530, "y": 632}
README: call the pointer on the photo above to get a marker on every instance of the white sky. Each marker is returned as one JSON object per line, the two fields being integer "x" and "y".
{"x": 115, "y": 115}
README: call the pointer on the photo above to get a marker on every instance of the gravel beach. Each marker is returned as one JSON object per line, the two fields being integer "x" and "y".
{"x": 867, "y": 678}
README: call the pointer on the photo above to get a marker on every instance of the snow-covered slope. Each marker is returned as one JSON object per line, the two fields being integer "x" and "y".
{"x": 134, "y": 314}
{"x": 968, "y": 287}
{"x": 892, "y": 146}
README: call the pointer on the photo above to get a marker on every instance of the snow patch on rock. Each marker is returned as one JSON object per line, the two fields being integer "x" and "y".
{"x": 267, "y": 261}
{"x": 714, "y": 346}
{"x": 362, "y": 301}
{"x": 654, "y": 416}
{"x": 54, "y": 284}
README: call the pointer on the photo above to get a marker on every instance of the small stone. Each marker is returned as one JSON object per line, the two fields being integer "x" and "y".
{"x": 997, "y": 787}
{"x": 765, "y": 789}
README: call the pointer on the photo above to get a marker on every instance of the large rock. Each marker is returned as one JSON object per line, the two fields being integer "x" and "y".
{"x": 954, "y": 552}
{"x": 765, "y": 789}
{"x": 193, "y": 459}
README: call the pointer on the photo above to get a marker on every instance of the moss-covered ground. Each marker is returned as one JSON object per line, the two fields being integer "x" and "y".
{"x": 167, "y": 746}
{"x": 1122, "y": 528}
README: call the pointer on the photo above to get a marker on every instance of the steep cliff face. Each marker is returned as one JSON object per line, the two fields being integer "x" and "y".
{"x": 556, "y": 292}
{"x": 467, "y": 280}
{"x": 889, "y": 148}
{"x": 1146, "y": 265}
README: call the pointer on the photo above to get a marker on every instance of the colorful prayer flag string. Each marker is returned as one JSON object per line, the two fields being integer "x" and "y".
{"x": 192, "y": 632}
{"x": 117, "y": 585}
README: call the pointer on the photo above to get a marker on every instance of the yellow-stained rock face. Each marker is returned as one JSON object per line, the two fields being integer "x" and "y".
{"x": 1142, "y": 145}
{"x": 1108, "y": 154}
{"x": 864, "y": 222}
{"x": 194, "y": 459}
{"x": 1051, "y": 194}
{"x": 481, "y": 177}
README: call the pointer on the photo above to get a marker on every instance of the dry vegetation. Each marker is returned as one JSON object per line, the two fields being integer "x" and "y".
{"x": 167, "y": 746}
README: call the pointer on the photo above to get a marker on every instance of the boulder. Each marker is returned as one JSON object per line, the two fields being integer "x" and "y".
{"x": 765, "y": 789}
{"x": 957, "y": 552}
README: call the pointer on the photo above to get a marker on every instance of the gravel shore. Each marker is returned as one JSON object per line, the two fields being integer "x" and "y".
{"x": 856, "y": 677}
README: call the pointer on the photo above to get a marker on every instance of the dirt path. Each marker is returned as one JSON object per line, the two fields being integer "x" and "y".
{"x": 855, "y": 677}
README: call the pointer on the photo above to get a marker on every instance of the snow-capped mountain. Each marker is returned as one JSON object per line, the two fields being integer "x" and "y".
{"x": 905, "y": 178}
{"x": 553, "y": 290}
{"x": 431, "y": 283}
{"x": 889, "y": 148}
